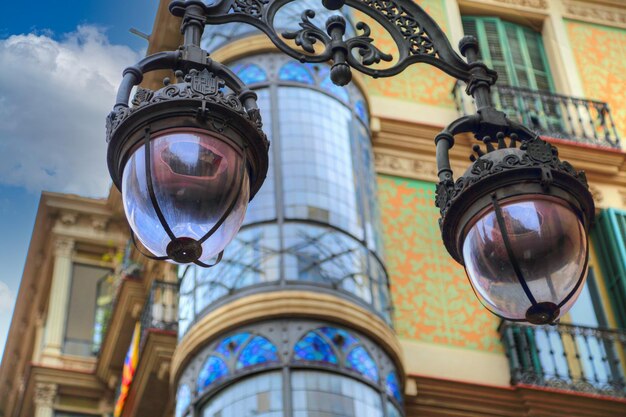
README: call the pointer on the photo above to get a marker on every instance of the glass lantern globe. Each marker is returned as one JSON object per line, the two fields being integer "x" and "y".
{"x": 526, "y": 257}
{"x": 199, "y": 182}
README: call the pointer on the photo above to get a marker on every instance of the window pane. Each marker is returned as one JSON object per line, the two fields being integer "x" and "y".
{"x": 81, "y": 317}
{"x": 259, "y": 396}
{"x": 318, "y": 394}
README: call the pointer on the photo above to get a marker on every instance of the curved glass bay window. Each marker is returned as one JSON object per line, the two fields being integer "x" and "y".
{"x": 315, "y": 222}
{"x": 326, "y": 369}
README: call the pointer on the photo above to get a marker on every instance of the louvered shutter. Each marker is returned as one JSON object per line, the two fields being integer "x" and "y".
{"x": 609, "y": 238}
{"x": 515, "y": 51}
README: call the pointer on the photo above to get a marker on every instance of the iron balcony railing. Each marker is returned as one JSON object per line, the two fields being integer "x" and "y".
{"x": 161, "y": 309}
{"x": 555, "y": 115}
{"x": 577, "y": 358}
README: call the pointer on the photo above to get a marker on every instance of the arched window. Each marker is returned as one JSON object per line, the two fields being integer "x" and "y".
{"x": 214, "y": 369}
{"x": 250, "y": 73}
{"x": 313, "y": 348}
{"x": 258, "y": 351}
{"x": 296, "y": 72}
{"x": 392, "y": 386}
{"x": 323, "y": 357}
{"x": 336, "y": 346}
{"x": 361, "y": 361}
{"x": 230, "y": 345}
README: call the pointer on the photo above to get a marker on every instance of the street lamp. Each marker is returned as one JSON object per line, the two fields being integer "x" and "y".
{"x": 189, "y": 156}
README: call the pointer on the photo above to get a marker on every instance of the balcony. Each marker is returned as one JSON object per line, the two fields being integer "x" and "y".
{"x": 552, "y": 115}
{"x": 115, "y": 317}
{"x": 310, "y": 256}
{"x": 575, "y": 358}
{"x": 160, "y": 313}
{"x": 149, "y": 393}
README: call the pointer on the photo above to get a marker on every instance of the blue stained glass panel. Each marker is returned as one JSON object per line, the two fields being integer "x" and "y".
{"x": 294, "y": 71}
{"x": 230, "y": 345}
{"x": 361, "y": 361}
{"x": 183, "y": 399}
{"x": 341, "y": 338}
{"x": 361, "y": 110}
{"x": 259, "y": 350}
{"x": 337, "y": 91}
{"x": 392, "y": 386}
{"x": 319, "y": 69}
{"x": 250, "y": 73}
{"x": 213, "y": 369}
{"x": 313, "y": 348}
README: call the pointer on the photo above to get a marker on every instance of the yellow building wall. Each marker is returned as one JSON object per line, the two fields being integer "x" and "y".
{"x": 432, "y": 296}
{"x": 600, "y": 55}
{"x": 419, "y": 83}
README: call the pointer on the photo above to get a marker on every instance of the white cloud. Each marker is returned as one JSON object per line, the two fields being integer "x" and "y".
{"x": 6, "y": 298}
{"x": 54, "y": 97}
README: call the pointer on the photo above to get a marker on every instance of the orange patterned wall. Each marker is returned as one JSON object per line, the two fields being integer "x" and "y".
{"x": 419, "y": 83}
{"x": 600, "y": 54}
{"x": 433, "y": 299}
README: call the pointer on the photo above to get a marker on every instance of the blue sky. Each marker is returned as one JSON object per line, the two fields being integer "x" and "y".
{"x": 70, "y": 54}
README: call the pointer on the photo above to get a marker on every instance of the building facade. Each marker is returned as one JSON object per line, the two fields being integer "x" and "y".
{"x": 337, "y": 298}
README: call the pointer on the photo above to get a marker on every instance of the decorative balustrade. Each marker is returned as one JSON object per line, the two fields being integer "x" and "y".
{"x": 310, "y": 256}
{"x": 161, "y": 309}
{"x": 577, "y": 358}
{"x": 554, "y": 115}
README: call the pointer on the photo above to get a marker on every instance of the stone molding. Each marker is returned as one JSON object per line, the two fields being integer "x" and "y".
{"x": 534, "y": 4}
{"x": 64, "y": 247}
{"x": 595, "y": 13}
{"x": 45, "y": 394}
{"x": 284, "y": 304}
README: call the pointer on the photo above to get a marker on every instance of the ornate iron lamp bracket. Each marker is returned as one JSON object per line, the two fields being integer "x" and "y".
{"x": 418, "y": 38}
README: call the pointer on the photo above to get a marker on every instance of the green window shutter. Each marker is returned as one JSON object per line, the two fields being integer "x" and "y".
{"x": 609, "y": 238}
{"x": 515, "y": 51}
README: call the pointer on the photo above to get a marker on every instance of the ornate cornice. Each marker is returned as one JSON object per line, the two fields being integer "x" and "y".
{"x": 595, "y": 13}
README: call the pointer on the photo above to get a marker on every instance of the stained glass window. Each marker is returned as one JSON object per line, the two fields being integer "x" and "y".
{"x": 341, "y": 338}
{"x": 230, "y": 345}
{"x": 313, "y": 348}
{"x": 294, "y": 71}
{"x": 183, "y": 400}
{"x": 361, "y": 361}
{"x": 392, "y": 386}
{"x": 249, "y": 73}
{"x": 337, "y": 91}
{"x": 259, "y": 350}
{"x": 214, "y": 368}
{"x": 361, "y": 110}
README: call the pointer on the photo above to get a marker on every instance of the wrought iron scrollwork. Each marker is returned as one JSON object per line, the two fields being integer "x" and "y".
{"x": 417, "y": 36}
{"x": 309, "y": 34}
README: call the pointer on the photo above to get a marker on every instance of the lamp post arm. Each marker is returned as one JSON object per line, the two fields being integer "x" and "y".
{"x": 417, "y": 37}
{"x": 134, "y": 75}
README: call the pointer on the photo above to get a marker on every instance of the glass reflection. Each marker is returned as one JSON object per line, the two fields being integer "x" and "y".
{"x": 195, "y": 177}
{"x": 548, "y": 242}
{"x": 320, "y": 393}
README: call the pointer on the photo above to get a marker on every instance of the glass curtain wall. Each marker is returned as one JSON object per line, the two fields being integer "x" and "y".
{"x": 315, "y": 221}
